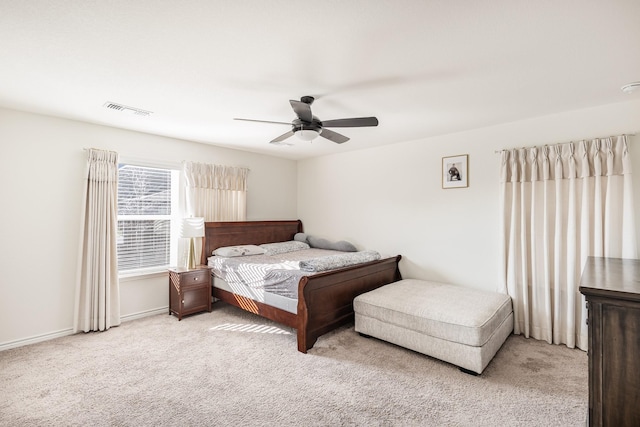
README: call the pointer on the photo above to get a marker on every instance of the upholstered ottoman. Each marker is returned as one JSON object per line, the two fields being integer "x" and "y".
{"x": 462, "y": 326}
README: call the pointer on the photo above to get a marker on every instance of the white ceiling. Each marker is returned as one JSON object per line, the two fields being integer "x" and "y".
{"x": 424, "y": 68}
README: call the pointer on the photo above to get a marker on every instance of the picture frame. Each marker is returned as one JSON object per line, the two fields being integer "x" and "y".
{"x": 455, "y": 171}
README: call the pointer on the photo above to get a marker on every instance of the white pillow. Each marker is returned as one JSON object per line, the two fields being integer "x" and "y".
{"x": 241, "y": 250}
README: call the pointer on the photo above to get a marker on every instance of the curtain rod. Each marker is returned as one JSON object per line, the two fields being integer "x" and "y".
{"x": 611, "y": 136}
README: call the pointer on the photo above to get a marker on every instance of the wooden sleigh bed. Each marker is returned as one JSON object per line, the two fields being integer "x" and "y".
{"x": 325, "y": 300}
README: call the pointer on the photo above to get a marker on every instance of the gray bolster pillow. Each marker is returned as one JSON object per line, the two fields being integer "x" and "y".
{"x": 320, "y": 243}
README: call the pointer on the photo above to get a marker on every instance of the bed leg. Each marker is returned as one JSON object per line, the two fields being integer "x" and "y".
{"x": 303, "y": 345}
{"x": 305, "y": 341}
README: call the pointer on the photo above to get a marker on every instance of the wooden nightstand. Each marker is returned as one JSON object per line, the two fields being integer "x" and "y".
{"x": 189, "y": 290}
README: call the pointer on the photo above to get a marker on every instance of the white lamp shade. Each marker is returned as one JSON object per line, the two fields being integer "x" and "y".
{"x": 192, "y": 227}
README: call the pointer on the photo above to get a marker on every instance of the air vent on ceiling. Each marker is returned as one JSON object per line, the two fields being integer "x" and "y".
{"x": 125, "y": 109}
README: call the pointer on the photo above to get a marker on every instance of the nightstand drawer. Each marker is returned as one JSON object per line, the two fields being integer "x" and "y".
{"x": 194, "y": 278}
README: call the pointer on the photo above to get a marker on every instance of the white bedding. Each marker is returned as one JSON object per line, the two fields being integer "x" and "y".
{"x": 274, "y": 279}
{"x": 278, "y": 274}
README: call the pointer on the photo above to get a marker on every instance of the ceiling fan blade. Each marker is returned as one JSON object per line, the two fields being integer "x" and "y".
{"x": 333, "y": 136}
{"x": 351, "y": 123}
{"x": 302, "y": 110}
{"x": 264, "y": 121}
{"x": 282, "y": 137}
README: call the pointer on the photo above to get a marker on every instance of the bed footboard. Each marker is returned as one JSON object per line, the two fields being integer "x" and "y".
{"x": 325, "y": 300}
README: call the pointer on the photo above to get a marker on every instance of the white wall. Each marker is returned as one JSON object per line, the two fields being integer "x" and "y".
{"x": 390, "y": 198}
{"x": 387, "y": 198}
{"x": 42, "y": 173}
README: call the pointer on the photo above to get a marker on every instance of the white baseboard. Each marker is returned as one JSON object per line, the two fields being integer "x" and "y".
{"x": 141, "y": 314}
{"x": 64, "y": 332}
{"x": 36, "y": 339}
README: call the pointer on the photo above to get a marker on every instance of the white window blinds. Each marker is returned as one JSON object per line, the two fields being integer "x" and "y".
{"x": 147, "y": 201}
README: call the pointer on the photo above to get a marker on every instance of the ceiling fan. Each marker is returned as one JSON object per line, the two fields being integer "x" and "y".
{"x": 307, "y": 126}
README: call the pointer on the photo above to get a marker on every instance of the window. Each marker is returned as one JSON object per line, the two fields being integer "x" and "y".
{"x": 147, "y": 214}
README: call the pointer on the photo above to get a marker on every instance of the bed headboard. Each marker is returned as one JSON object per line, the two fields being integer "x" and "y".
{"x": 231, "y": 233}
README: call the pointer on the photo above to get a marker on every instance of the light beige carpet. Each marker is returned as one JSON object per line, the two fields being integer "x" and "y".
{"x": 232, "y": 368}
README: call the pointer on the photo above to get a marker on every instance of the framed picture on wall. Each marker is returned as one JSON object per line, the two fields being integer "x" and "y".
{"x": 455, "y": 171}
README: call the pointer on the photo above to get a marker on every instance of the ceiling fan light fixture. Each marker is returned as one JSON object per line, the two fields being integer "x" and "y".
{"x": 631, "y": 87}
{"x": 307, "y": 134}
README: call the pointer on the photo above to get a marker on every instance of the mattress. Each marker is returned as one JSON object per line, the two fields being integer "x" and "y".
{"x": 271, "y": 299}
{"x": 276, "y": 274}
{"x": 274, "y": 279}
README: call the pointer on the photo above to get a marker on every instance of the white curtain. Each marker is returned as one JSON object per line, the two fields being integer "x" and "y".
{"x": 97, "y": 304}
{"x": 217, "y": 193}
{"x": 561, "y": 204}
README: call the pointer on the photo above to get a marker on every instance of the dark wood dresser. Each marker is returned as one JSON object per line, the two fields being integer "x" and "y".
{"x": 611, "y": 287}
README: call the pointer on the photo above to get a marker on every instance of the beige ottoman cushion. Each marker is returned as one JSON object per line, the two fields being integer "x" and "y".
{"x": 460, "y": 325}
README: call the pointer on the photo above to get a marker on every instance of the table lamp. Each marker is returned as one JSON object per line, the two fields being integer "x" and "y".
{"x": 192, "y": 228}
